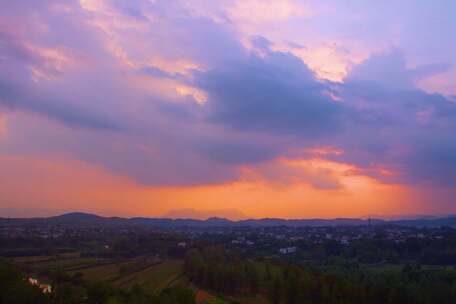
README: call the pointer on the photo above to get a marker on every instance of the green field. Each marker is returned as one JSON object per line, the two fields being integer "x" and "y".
{"x": 149, "y": 272}
{"x": 99, "y": 273}
{"x": 32, "y": 259}
{"x": 66, "y": 264}
{"x": 153, "y": 278}
{"x": 152, "y": 275}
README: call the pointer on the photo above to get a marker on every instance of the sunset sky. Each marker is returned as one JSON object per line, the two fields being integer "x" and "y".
{"x": 248, "y": 108}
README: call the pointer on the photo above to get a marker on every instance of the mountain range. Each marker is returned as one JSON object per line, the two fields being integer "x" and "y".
{"x": 79, "y": 218}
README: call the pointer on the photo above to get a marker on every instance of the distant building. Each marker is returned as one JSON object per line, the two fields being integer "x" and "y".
{"x": 287, "y": 250}
{"x": 344, "y": 240}
{"x": 45, "y": 288}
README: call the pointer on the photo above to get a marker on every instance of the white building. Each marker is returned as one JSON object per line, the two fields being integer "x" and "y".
{"x": 287, "y": 250}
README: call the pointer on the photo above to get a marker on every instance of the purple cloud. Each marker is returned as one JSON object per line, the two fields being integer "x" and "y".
{"x": 114, "y": 86}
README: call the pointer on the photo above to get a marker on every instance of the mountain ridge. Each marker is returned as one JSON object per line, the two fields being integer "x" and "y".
{"x": 82, "y": 218}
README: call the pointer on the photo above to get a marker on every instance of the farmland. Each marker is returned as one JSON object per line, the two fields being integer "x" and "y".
{"x": 234, "y": 265}
{"x": 152, "y": 274}
{"x": 153, "y": 278}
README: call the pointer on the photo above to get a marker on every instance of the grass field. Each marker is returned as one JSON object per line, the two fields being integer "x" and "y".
{"x": 151, "y": 274}
{"x": 99, "y": 273}
{"x": 153, "y": 278}
{"x": 32, "y": 259}
{"x": 66, "y": 264}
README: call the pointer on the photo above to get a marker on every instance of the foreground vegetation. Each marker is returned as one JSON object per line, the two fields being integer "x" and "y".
{"x": 217, "y": 275}
{"x": 224, "y": 272}
{"x": 106, "y": 265}
{"x": 69, "y": 289}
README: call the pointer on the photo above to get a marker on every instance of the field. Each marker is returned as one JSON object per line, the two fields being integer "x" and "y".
{"x": 32, "y": 259}
{"x": 149, "y": 272}
{"x": 99, "y": 273}
{"x": 152, "y": 274}
{"x": 153, "y": 278}
{"x": 66, "y": 264}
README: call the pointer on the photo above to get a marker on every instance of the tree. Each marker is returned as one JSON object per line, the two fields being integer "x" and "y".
{"x": 276, "y": 291}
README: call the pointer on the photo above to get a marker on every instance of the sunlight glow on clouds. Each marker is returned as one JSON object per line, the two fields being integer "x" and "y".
{"x": 267, "y": 11}
{"x": 3, "y": 125}
{"x": 272, "y": 108}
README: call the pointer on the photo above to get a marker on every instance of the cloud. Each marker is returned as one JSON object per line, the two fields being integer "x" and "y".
{"x": 397, "y": 125}
{"x": 239, "y": 152}
{"x": 3, "y": 125}
{"x": 29, "y": 70}
{"x": 389, "y": 70}
{"x": 264, "y": 11}
{"x": 157, "y": 72}
{"x": 171, "y": 95}
{"x": 276, "y": 93}
{"x": 14, "y": 97}
{"x": 316, "y": 172}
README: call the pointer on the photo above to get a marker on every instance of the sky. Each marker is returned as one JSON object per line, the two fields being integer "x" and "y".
{"x": 239, "y": 109}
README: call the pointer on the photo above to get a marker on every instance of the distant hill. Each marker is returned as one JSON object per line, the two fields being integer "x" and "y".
{"x": 428, "y": 222}
{"x": 80, "y": 218}
{"x": 70, "y": 219}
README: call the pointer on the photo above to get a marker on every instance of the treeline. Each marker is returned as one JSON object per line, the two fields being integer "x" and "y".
{"x": 110, "y": 244}
{"x": 379, "y": 249}
{"x": 225, "y": 272}
{"x": 213, "y": 268}
{"x": 295, "y": 285}
{"x": 423, "y": 251}
{"x": 66, "y": 289}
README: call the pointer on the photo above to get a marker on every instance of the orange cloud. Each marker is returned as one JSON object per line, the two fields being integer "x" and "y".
{"x": 3, "y": 121}
{"x": 328, "y": 60}
{"x": 299, "y": 200}
{"x": 199, "y": 95}
{"x": 65, "y": 184}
